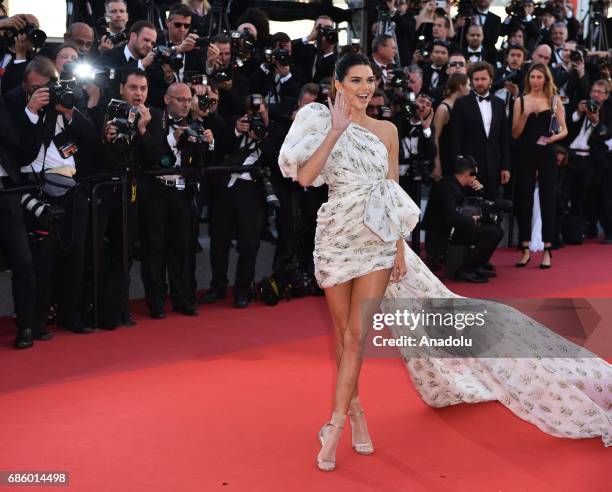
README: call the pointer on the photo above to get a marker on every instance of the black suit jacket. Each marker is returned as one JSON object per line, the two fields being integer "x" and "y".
{"x": 9, "y": 144}
{"x": 491, "y": 29}
{"x": 599, "y": 134}
{"x": 442, "y": 208}
{"x": 305, "y": 54}
{"x": 427, "y": 73}
{"x": 468, "y": 136}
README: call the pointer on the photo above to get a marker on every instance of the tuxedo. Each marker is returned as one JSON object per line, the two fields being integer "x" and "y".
{"x": 283, "y": 91}
{"x": 468, "y": 137}
{"x": 491, "y": 26}
{"x": 434, "y": 78}
{"x": 12, "y": 75}
{"x": 313, "y": 64}
{"x": 484, "y": 53}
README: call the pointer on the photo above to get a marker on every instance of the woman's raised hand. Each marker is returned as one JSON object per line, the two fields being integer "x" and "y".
{"x": 340, "y": 112}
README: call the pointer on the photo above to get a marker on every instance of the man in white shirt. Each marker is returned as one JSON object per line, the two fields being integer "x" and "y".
{"x": 57, "y": 142}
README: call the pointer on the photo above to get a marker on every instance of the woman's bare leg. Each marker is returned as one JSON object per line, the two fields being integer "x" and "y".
{"x": 350, "y": 352}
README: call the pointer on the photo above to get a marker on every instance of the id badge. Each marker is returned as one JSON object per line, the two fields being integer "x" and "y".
{"x": 67, "y": 148}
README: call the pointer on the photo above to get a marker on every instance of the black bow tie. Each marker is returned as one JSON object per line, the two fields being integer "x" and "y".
{"x": 484, "y": 98}
{"x": 474, "y": 53}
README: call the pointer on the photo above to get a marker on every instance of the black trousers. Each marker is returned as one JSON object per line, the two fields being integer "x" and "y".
{"x": 239, "y": 209}
{"x": 14, "y": 244}
{"x": 59, "y": 262}
{"x": 581, "y": 173}
{"x": 167, "y": 216}
{"x": 287, "y": 221}
{"x": 484, "y": 238}
{"x": 114, "y": 278}
{"x": 538, "y": 158}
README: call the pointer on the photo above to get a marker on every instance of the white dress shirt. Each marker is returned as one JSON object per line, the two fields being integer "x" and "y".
{"x": 249, "y": 161}
{"x": 53, "y": 157}
{"x": 581, "y": 142}
{"x": 129, "y": 57}
{"x": 486, "y": 112}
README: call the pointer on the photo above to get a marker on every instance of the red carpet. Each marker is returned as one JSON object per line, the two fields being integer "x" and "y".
{"x": 233, "y": 399}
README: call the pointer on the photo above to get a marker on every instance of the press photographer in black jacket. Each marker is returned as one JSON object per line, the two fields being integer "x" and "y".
{"x": 56, "y": 148}
{"x": 446, "y": 222}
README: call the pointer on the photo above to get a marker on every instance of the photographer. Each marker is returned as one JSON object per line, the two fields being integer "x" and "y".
{"x": 238, "y": 207}
{"x": 13, "y": 235}
{"x": 57, "y": 141}
{"x": 444, "y": 220}
{"x": 384, "y": 51}
{"x": 221, "y": 68}
{"x": 137, "y": 53}
{"x": 169, "y": 210}
{"x": 509, "y": 79}
{"x": 521, "y": 19}
{"x": 317, "y": 60}
{"x": 21, "y": 48}
{"x": 417, "y": 148}
{"x": 116, "y": 12}
{"x": 275, "y": 80}
{"x": 246, "y": 47}
{"x": 589, "y": 127}
{"x": 127, "y": 147}
{"x": 477, "y": 13}
{"x": 434, "y": 73}
{"x": 570, "y": 76}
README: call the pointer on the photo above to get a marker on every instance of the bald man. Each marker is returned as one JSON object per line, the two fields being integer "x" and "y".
{"x": 168, "y": 217}
{"x": 82, "y": 35}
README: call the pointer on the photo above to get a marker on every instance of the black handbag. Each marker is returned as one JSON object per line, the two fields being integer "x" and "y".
{"x": 554, "y": 128}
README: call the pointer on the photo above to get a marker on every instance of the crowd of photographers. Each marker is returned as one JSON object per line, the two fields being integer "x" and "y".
{"x": 120, "y": 140}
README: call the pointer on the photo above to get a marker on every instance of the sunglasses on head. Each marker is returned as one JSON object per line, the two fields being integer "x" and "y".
{"x": 178, "y": 25}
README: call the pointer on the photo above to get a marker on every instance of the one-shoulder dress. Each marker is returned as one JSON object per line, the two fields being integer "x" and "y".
{"x": 357, "y": 230}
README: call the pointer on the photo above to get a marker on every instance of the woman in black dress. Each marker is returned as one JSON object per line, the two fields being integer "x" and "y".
{"x": 531, "y": 124}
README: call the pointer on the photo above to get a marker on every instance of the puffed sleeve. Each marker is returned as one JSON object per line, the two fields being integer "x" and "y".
{"x": 309, "y": 128}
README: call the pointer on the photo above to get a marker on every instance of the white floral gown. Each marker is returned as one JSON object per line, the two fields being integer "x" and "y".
{"x": 357, "y": 230}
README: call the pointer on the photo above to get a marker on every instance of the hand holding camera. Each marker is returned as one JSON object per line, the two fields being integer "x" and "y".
{"x": 145, "y": 119}
{"x": 39, "y": 99}
{"x": 17, "y": 22}
{"x": 188, "y": 44}
{"x": 242, "y": 125}
{"x": 106, "y": 44}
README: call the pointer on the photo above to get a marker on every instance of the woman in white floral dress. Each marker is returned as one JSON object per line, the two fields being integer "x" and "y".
{"x": 360, "y": 255}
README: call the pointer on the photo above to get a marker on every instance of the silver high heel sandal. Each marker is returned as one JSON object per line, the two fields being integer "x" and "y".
{"x": 337, "y": 421}
{"x": 363, "y": 447}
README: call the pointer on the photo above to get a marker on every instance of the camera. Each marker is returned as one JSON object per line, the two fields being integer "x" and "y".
{"x": 204, "y": 102}
{"x": 491, "y": 212}
{"x": 419, "y": 169}
{"x": 257, "y": 125}
{"x": 101, "y": 28}
{"x": 195, "y": 79}
{"x": 168, "y": 55}
{"x": 355, "y": 46}
{"x": 191, "y": 137}
{"x": 61, "y": 92}
{"x": 513, "y": 77}
{"x": 84, "y": 73}
{"x": 46, "y": 215}
{"x": 328, "y": 33}
{"x": 125, "y": 118}
{"x": 408, "y": 107}
{"x": 399, "y": 79}
{"x": 202, "y": 42}
{"x": 423, "y": 47}
{"x": 36, "y": 36}
{"x": 516, "y": 9}
{"x": 243, "y": 40}
{"x": 592, "y": 106}
{"x": 264, "y": 173}
{"x": 117, "y": 38}
{"x": 575, "y": 56}
{"x": 279, "y": 56}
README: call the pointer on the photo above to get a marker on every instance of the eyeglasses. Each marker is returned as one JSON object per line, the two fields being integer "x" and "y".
{"x": 456, "y": 64}
{"x": 182, "y": 100}
{"x": 178, "y": 25}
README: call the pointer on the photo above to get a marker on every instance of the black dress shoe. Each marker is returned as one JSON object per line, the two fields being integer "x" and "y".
{"x": 241, "y": 301}
{"x": 607, "y": 240}
{"x": 127, "y": 319}
{"x": 157, "y": 313}
{"x": 24, "y": 340}
{"x": 187, "y": 310}
{"x": 471, "y": 277}
{"x": 489, "y": 266}
{"x": 43, "y": 334}
{"x": 211, "y": 296}
{"x": 483, "y": 272}
{"x": 77, "y": 328}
